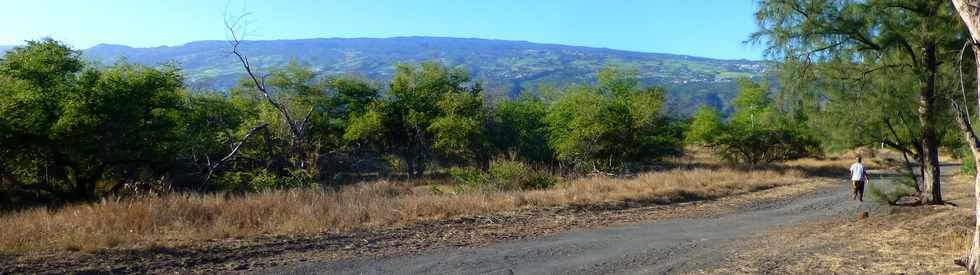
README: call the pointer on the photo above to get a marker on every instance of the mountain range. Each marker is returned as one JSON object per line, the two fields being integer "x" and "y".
{"x": 506, "y": 68}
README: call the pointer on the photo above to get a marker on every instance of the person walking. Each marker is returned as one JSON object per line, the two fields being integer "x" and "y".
{"x": 859, "y": 176}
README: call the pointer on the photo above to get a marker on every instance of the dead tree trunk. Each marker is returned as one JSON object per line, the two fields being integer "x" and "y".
{"x": 969, "y": 11}
{"x": 297, "y": 128}
{"x": 966, "y": 128}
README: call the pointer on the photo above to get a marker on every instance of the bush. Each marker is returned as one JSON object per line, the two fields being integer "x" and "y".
{"x": 611, "y": 124}
{"x": 755, "y": 146}
{"x": 705, "y": 126}
{"x": 261, "y": 179}
{"x": 968, "y": 165}
{"x": 756, "y": 132}
{"x": 503, "y": 175}
{"x": 468, "y": 176}
{"x": 509, "y": 175}
{"x": 901, "y": 187}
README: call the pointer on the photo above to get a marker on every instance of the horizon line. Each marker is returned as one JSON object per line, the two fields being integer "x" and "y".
{"x": 394, "y": 37}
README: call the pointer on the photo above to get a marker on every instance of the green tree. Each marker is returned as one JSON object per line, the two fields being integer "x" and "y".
{"x": 706, "y": 125}
{"x": 330, "y": 104}
{"x": 70, "y": 126}
{"x": 460, "y": 131}
{"x": 757, "y": 132}
{"x": 752, "y": 105}
{"x": 611, "y": 124}
{"x": 905, "y": 37}
{"x": 522, "y": 131}
{"x": 401, "y": 122}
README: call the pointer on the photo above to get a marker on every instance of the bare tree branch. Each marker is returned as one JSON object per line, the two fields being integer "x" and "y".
{"x": 236, "y": 40}
{"x": 214, "y": 166}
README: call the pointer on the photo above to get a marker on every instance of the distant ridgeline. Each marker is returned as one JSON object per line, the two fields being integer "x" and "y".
{"x": 506, "y": 68}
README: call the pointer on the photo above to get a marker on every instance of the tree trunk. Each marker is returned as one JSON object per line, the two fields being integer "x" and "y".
{"x": 966, "y": 129}
{"x": 410, "y": 165}
{"x": 969, "y": 11}
{"x": 931, "y": 168}
{"x": 930, "y": 143}
{"x": 973, "y": 257}
{"x": 922, "y": 171}
{"x": 420, "y": 166}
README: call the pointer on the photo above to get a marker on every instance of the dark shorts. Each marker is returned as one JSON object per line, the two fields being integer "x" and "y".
{"x": 859, "y": 186}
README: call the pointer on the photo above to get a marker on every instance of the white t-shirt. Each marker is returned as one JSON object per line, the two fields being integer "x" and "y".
{"x": 857, "y": 171}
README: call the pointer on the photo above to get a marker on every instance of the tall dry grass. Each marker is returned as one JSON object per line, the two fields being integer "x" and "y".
{"x": 175, "y": 219}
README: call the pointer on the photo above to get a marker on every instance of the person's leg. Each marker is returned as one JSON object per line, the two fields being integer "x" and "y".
{"x": 854, "y": 190}
{"x": 861, "y": 191}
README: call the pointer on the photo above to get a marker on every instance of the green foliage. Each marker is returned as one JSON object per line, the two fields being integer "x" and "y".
{"x": 78, "y": 132}
{"x": 756, "y": 133}
{"x": 427, "y": 108}
{"x": 968, "y": 164}
{"x": 261, "y": 180}
{"x": 503, "y": 66}
{"x": 869, "y": 72}
{"x": 610, "y": 124}
{"x": 752, "y": 105}
{"x": 757, "y": 145}
{"x": 706, "y": 126}
{"x": 66, "y": 126}
{"x": 503, "y": 175}
{"x": 522, "y": 131}
{"x": 459, "y": 131}
{"x": 45, "y": 64}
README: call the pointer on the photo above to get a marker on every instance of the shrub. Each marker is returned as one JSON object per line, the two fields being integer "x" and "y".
{"x": 967, "y": 166}
{"x": 755, "y": 146}
{"x": 612, "y": 124}
{"x": 235, "y": 181}
{"x": 261, "y": 179}
{"x": 900, "y": 187}
{"x": 503, "y": 175}
{"x": 706, "y": 125}
{"x": 468, "y": 176}
{"x": 755, "y": 133}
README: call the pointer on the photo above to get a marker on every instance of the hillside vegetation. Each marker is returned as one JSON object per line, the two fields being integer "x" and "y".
{"x": 74, "y": 131}
{"x": 504, "y": 67}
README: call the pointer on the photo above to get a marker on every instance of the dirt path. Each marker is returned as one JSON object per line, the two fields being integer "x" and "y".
{"x": 667, "y": 246}
{"x": 898, "y": 240}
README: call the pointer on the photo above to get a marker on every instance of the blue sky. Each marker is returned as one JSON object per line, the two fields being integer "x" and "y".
{"x": 710, "y": 28}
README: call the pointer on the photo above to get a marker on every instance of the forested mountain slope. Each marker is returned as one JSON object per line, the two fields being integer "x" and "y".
{"x": 504, "y": 67}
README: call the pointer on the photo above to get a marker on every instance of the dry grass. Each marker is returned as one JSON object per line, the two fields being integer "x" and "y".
{"x": 921, "y": 240}
{"x": 180, "y": 219}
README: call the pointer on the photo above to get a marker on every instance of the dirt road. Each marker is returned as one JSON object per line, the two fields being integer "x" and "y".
{"x": 668, "y": 246}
